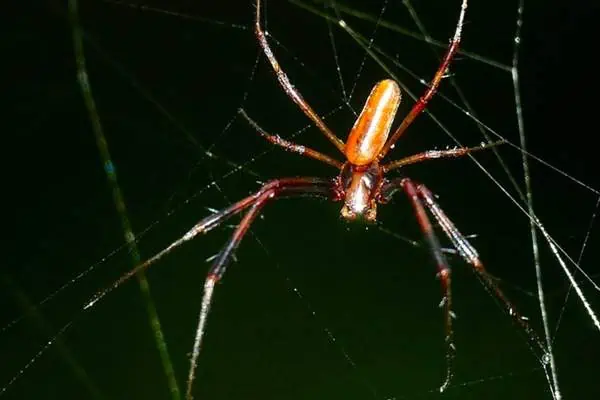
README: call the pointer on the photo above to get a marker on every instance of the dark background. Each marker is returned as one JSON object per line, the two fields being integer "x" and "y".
{"x": 167, "y": 86}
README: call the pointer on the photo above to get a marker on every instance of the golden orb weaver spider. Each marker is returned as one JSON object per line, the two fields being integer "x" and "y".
{"x": 360, "y": 185}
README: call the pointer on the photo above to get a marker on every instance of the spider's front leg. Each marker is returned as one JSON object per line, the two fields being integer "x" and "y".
{"x": 469, "y": 254}
{"x": 443, "y": 268}
{"x": 420, "y": 198}
{"x": 272, "y": 190}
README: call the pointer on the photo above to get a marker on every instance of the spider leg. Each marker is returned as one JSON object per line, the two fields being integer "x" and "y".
{"x": 434, "y": 154}
{"x": 433, "y": 85}
{"x": 270, "y": 191}
{"x": 444, "y": 273}
{"x": 205, "y": 225}
{"x": 287, "y": 86}
{"x": 469, "y": 254}
{"x": 290, "y": 146}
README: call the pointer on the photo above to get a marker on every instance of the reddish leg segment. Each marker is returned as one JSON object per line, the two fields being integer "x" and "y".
{"x": 289, "y": 89}
{"x": 435, "y": 82}
{"x": 468, "y": 252}
{"x": 443, "y": 274}
{"x": 272, "y": 190}
{"x": 435, "y": 154}
{"x": 306, "y": 185}
{"x": 421, "y": 197}
{"x": 290, "y": 146}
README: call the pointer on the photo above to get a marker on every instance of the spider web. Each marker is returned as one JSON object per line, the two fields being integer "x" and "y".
{"x": 314, "y": 307}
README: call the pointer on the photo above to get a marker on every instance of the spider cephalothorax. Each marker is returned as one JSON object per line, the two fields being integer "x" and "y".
{"x": 358, "y": 187}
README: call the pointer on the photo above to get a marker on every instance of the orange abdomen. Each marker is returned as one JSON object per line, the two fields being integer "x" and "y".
{"x": 371, "y": 129}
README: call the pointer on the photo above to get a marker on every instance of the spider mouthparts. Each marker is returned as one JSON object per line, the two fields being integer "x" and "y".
{"x": 368, "y": 215}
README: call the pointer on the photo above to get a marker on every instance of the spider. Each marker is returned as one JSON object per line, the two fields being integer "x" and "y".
{"x": 360, "y": 186}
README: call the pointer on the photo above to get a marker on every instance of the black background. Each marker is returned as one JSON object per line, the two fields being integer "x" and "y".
{"x": 167, "y": 88}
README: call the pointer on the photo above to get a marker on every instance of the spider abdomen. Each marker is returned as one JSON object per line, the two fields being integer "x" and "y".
{"x": 371, "y": 129}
